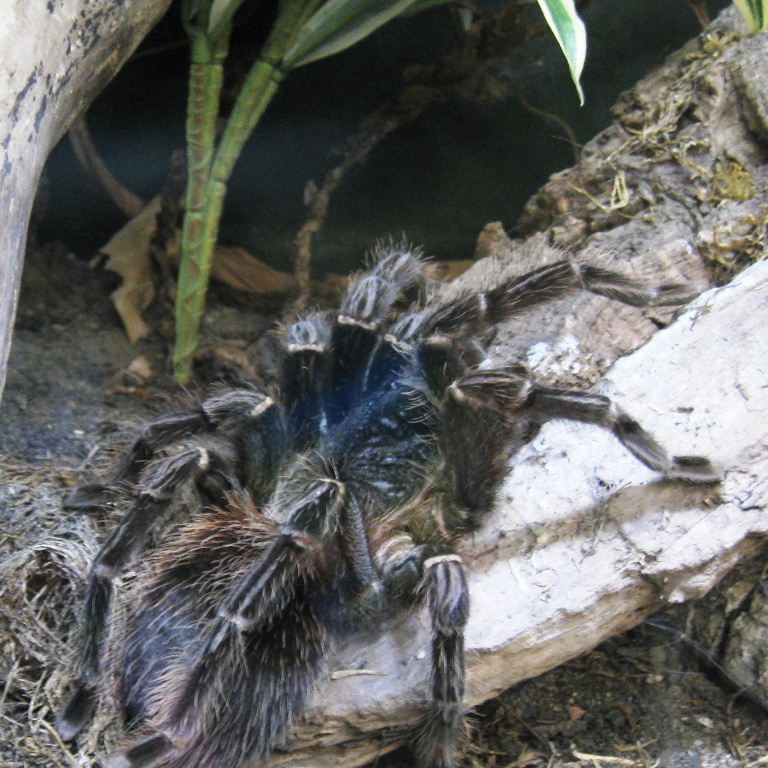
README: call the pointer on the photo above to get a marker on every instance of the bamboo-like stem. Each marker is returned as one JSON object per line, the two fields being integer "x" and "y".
{"x": 260, "y": 86}
{"x": 207, "y": 184}
{"x": 206, "y": 76}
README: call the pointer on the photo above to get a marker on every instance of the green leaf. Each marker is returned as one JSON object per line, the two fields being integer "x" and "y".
{"x": 755, "y": 12}
{"x": 570, "y": 33}
{"x": 424, "y": 5}
{"x": 208, "y": 21}
{"x": 338, "y": 25}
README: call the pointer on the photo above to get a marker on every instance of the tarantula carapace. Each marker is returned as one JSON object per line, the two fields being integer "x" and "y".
{"x": 322, "y": 505}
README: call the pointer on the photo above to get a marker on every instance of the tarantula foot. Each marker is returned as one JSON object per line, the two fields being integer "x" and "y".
{"x": 695, "y": 469}
{"x": 674, "y": 294}
{"x": 141, "y": 754}
{"x": 89, "y": 497}
{"x": 440, "y": 733}
{"x": 505, "y": 389}
{"x": 76, "y": 712}
{"x": 402, "y": 564}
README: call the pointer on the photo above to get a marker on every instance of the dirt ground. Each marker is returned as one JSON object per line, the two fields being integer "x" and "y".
{"x": 646, "y": 698}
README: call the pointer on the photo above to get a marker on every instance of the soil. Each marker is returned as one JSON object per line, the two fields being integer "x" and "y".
{"x": 650, "y": 697}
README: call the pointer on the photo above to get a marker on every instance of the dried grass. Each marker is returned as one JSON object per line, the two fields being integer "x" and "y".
{"x": 44, "y": 559}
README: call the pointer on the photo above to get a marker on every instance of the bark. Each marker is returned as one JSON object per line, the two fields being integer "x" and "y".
{"x": 585, "y": 542}
{"x": 57, "y": 56}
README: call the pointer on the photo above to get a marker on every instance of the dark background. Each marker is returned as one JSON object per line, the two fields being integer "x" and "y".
{"x": 438, "y": 180}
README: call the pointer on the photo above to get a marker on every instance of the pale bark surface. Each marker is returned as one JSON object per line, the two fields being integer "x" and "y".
{"x": 56, "y": 57}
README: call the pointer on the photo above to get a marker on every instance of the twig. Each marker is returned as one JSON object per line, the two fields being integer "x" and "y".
{"x": 11, "y": 674}
{"x": 609, "y": 759}
{"x": 165, "y": 236}
{"x": 372, "y": 131}
{"x": 70, "y": 759}
{"x": 570, "y": 135}
{"x": 700, "y": 12}
{"x": 91, "y": 162}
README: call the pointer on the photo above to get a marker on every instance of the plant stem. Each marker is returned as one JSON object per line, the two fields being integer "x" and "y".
{"x": 211, "y": 172}
{"x": 206, "y": 76}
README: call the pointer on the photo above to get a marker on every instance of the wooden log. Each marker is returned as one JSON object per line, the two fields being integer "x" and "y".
{"x": 57, "y": 56}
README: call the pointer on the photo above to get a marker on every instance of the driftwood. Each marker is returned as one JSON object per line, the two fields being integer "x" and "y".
{"x": 56, "y": 57}
{"x": 87, "y": 155}
{"x": 585, "y": 542}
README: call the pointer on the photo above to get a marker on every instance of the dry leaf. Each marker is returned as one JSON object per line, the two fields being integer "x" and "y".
{"x": 240, "y": 269}
{"x": 128, "y": 253}
{"x": 575, "y": 712}
{"x": 131, "y": 380}
{"x": 445, "y": 271}
{"x": 492, "y": 241}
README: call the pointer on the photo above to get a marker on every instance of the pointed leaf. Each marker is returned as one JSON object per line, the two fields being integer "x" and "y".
{"x": 755, "y": 12}
{"x": 424, "y": 5}
{"x": 338, "y": 25}
{"x": 221, "y": 15}
{"x": 571, "y": 35}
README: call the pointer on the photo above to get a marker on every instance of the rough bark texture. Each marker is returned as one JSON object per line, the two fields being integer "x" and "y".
{"x": 585, "y": 542}
{"x": 56, "y": 57}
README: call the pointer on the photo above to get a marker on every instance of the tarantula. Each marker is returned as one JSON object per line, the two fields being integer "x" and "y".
{"x": 324, "y": 504}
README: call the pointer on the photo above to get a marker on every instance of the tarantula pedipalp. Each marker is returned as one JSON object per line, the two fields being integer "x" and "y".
{"x": 322, "y": 508}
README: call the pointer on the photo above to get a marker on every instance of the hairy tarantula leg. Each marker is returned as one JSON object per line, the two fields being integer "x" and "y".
{"x": 215, "y": 411}
{"x": 297, "y": 552}
{"x": 304, "y": 367}
{"x": 403, "y": 265}
{"x": 478, "y": 434}
{"x": 444, "y": 359}
{"x": 239, "y": 404}
{"x": 265, "y": 590}
{"x": 295, "y": 556}
{"x": 160, "y": 481}
{"x": 469, "y": 311}
{"x": 354, "y": 340}
{"x": 437, "y": 577}
{"x": 259, "y": 597}
{"x": 77, "y": 711}
{"x": 392, "y": 352}
{"x": 397, "y": 275}
{"x": 270, "y": 585}
{"x": 445, "y": 586}
{"x": 548, "y": 404}
{"x": 144, "y": 753}
{"x": 89, "y": 497}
